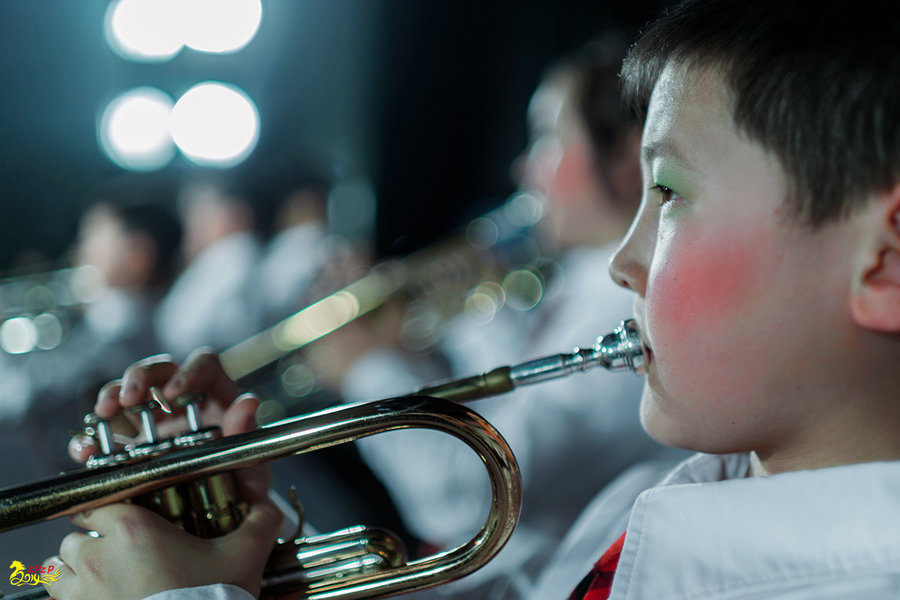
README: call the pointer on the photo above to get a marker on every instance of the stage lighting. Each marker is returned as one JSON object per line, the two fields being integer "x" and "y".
{"x": 215, "y": 124}
{"x": 157, "y": 30}
{"x": 18, "y": 335}
{"x": 134, "y": 129}
{"x": 144, "y": 30}
{"x": 219, "y": 25}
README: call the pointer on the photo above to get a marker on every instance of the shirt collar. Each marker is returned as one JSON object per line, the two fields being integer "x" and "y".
{"x": 708, "y": 530}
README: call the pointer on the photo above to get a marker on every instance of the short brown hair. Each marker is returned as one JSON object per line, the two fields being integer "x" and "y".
{"x": 813, "y": 82}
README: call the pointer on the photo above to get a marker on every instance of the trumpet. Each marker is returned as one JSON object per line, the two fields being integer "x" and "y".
{"x": 187, "y": 478}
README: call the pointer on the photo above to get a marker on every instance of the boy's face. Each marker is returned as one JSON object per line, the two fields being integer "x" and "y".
{"x": 737, "y": 302}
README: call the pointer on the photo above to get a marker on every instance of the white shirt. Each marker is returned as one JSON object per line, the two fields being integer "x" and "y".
{"x": 207, "y": 304}
{"x": 204, "y": 592}
{"x": 289, "y": 266}
{"x": 708, "y": 532}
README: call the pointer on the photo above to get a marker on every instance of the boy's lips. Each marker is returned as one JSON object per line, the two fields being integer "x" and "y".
{"x": 648, "y": 352}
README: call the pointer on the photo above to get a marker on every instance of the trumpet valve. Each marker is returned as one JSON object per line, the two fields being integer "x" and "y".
{"x": 98, "y": 428}
{"x": 196, "y": 433}
{"x": 152, "y": 444}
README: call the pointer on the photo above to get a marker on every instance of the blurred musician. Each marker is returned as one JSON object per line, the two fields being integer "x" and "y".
{"x": 208, "y": 302}
{"x": 43, "y": 394}
{"x": 129, "y": 248}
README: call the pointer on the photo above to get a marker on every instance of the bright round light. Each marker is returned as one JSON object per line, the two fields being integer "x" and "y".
{"x": 215, "y": 124}
{"x": 523, "y": 288}
{"x": 144, "y": 30}
{"x": 18, "y": 335}
{"x": 134, "y": 129}
{"x": 219, "y": 25}
{"x": 48, "y": 331}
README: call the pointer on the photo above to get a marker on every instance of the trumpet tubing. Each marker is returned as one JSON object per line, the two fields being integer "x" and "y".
{"x": 187, "y": 479}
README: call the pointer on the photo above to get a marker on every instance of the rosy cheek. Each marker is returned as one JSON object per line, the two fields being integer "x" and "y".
{"x": 572, "y": 176}
{"x": 701, "y": 285}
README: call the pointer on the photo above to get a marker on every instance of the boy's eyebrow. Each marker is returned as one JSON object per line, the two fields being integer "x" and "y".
{"x": 666, "y": 149}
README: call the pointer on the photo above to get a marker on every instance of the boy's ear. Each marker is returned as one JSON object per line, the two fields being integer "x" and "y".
{"x": 875, "y": 301}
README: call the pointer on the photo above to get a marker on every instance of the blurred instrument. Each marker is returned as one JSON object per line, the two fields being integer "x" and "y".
{"x": 188, "y": 480}
{"x": 37, "y": 308}
{"x": 492, "y": 263}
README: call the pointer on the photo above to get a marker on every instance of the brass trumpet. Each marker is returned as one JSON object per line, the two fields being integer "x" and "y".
{"x": 184, "y": 478}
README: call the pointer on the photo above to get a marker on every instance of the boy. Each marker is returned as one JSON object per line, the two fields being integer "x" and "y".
{"x": 766, "y": 263}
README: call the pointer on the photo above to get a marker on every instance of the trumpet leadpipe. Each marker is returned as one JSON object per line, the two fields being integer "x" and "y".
{"x": 620, "y": 350}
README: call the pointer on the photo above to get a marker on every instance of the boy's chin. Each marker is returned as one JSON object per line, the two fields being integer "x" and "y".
{"x": 676, "y": 430}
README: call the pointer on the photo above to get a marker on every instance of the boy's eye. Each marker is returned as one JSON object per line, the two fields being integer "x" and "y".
{"x": 666, "y": 195}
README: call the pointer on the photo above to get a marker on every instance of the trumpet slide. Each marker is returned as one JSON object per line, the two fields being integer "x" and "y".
{"x": 354, "y": 563}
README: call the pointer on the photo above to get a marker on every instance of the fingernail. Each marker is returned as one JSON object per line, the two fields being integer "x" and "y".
{"x": 175, "y": 386}
{"x": 129, "y": 390}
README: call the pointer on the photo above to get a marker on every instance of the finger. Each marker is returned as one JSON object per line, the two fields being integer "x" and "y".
{"x": 154, "y": 370}
{"x": 240, "y": 416}
{"x": 259, "y": 531}
{"x": 244, "y": 551}
{"x": 71, "y": 547}
{"x": 81, "y": 447}
{"x": 202, "y": 372}
{"x": 107, "y": 404}
{"x": 57, "y": 588}
{"x": 105, "y": 519}
{"x": 253, "y": 483}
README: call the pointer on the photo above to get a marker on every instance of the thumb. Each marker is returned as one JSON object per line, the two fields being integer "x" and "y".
{"x": 246, "y": 549}
{"x": 257, "y": 532}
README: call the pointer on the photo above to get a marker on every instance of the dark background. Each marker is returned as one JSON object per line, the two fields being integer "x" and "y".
{"x": 424, "y": 99}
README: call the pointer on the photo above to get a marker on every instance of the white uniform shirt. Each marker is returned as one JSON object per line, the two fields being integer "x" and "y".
{"x": 710, "y": 533}
{"x": 204, "y": 592}
{"x": 287, "y": 269}
{"x": 208, "y": 303}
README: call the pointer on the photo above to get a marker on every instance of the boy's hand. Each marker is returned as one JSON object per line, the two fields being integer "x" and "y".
{"x": 138, "y": 553}
{"x": 201, "y": 372}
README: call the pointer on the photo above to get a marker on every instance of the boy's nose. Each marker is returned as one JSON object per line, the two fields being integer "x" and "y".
{"x": 627, "y": 267}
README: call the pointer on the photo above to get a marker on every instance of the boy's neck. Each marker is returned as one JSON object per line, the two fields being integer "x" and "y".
{"x": 843, "y": 448}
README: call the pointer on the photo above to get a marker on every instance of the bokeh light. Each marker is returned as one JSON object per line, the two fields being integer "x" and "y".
{"x": 215, "y": 124}
{"x": 18, "y": 335}
{"x": 144, "y": 30}
{"x": 48, "y": 331}
{"x": 220, "y": 26}
{"x": 157, "y": 30}
{"x": 134, "y": 129}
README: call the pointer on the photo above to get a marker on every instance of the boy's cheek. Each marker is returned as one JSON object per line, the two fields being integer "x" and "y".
{"x": 702, "y": 279}
{"x": 702, "y": 315}
{"x": 701, "y": 290}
